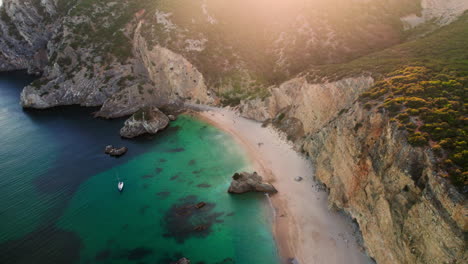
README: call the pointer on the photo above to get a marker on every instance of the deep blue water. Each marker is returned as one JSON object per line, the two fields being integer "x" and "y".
{"x": 59, "y": 203}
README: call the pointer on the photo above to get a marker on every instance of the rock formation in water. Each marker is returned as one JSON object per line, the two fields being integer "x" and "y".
{"x": 148, "y": 120}
{"x": 249, "y": 182}
{"x": 115, "y": 152}
{"x": 183, "y": 261}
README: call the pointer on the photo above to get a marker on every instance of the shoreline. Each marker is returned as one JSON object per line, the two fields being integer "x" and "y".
{"x": 303, "y": 228}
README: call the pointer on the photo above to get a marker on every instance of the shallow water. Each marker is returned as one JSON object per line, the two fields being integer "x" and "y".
{"x": 59, "y": 201}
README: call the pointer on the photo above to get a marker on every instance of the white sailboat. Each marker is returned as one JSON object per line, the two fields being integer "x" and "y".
{"x": 120, "y": 184}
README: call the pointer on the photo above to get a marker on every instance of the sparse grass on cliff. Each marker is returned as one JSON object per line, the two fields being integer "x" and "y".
{"x": 12, "y": 30}
{"x": 431, "y": 107}
{"x": 424, "y": 87}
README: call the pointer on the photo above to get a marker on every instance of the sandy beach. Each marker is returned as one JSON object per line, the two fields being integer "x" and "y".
{"x": 304, "y": 228}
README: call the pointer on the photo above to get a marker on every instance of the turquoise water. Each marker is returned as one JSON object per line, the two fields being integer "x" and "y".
{"x": 59, "y": 201}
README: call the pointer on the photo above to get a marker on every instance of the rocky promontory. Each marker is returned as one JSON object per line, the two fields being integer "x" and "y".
{"x": 249, "y": 182}
{"x": 145, "y": 121}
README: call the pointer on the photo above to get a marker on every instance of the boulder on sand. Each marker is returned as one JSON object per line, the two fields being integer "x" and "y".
{"x": 249, "y": 182}
{"x": 148, "y": 120}
{"x": 115, "y": 152}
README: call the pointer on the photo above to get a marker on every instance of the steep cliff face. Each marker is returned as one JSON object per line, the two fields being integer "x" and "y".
{"x": 313, "y": 104}
{"x": 407, "y": 214}
{"x": 179, "y": 50}
{"x": 121, "y": 77}
{"x": 165, "y": 78}
{"x": 25, "y": 28}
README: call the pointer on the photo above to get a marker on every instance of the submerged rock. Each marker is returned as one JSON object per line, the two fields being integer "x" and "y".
{"x": 148, "y": 120}
{"x": 183, "y": 261}
{"x": 200, "y": 205}
{"x": 249, "y": 182}
{"x": 115, "y": 152}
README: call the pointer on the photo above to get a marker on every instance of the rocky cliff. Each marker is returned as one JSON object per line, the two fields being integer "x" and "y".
{"x": 406, "y": 212}
{"x": 313, "y": 104}
{"x": 25, "y": 29}
{"x": 80, "y": 66}
{"x": 180, "y": 50}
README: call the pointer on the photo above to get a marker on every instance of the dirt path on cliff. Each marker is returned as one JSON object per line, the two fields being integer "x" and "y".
{"x": 304, "y": 227}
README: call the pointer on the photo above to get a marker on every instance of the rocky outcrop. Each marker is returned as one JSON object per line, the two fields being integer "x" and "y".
{"x": 169, "y": 78}
{"x": 115, "y": 152}
{"x": 145, "y": 121}
{"x": 406, "y": 213}
{"x": 25, "y": 29}
{"x": 249, "y": 182}
{"x": 312, "y": 105}
{"x": 82, "y": 75}
{"x": 437, "y": 12}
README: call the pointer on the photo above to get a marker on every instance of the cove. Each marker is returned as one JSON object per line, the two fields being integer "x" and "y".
{"x": 59, "y": 201}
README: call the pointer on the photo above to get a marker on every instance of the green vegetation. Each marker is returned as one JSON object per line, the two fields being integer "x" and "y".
{"x": 105, "y": 30}
{"x": 64, "y": 61}
{"x": 143, "y": 114}
{"x": 38, "y": 83}
{"x": 12, "y": 30}
{"x": 432, "y": 107}
{"x": 423, "y": 86}
{"x": 442, "y": 51}
{"x": 253, "y": 41}
{"x": 233, "y": 97}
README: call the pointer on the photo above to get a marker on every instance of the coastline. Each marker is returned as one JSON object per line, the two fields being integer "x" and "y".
{"x": 304, "y": 228}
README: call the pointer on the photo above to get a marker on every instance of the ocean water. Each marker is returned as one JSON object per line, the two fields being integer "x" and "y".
{"x": 59, "y": 201}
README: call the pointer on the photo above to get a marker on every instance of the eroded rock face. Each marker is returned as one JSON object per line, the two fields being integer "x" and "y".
{"x": 312, "y": 104}
{"x": 77, "y": 72}
{"x": 168, "y": 77}
{"x": 406, "y": 213}
{"x": 145, "y": 121}
{"x": 249, "y": 182}
{"x": 25, "y": 28}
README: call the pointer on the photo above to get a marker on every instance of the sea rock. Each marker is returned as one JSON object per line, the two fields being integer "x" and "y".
{"x": 108, "y": 149}
{"x": 183, "y": 261}
{"x": 115, "y": 152}
{"x": 200, "y": 205}
{"x": 148, "y": 120}
{"x": 171, "y": 117}
{"x": 298, "y": 179}
{"x": 249, "y": 182}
